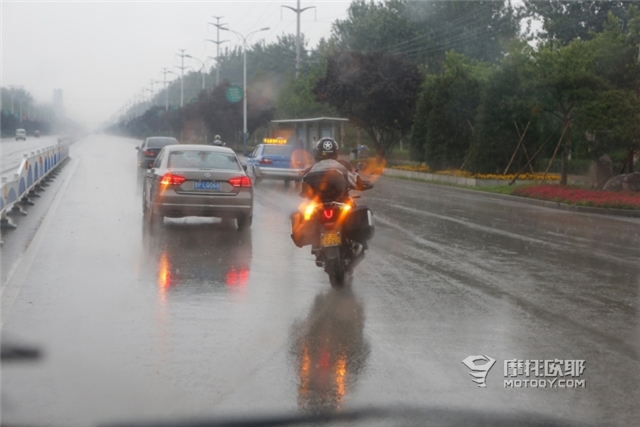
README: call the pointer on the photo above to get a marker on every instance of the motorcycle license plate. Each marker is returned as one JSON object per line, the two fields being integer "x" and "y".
{"x": 331, "y": 239}
{"x": 206, "y": 185}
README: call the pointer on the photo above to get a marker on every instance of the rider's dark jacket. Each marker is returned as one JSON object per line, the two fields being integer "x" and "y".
{"x": 329, "y": 179}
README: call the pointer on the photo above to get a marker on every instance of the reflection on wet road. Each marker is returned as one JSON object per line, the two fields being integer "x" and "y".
{"x": 193, "y": 318}
{"x": 197, "y": 254}
{"x": 329, "y": 349}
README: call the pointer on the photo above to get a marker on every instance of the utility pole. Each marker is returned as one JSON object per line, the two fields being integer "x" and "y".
{"x": 298, "y": 12}
{"x": 217, "y": 41}
{"x": 182, "y": 67}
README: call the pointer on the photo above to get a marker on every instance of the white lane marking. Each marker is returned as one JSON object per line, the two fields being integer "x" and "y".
{"x": 18, "y": 276}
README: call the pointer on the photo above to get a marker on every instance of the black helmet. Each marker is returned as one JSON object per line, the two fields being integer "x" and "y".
{"x": 326, "y": 148}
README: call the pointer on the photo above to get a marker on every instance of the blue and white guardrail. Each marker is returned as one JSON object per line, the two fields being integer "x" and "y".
{"x": 35, "y": 170}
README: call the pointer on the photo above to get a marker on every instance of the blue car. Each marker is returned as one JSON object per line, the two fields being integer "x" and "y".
{"x": 277, "y": 161}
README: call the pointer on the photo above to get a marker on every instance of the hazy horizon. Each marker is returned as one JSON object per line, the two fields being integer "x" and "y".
{"x": 102, "y": 53}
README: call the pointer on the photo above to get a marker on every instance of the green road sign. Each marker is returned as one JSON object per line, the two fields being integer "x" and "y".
{"x": 234, "y": 94}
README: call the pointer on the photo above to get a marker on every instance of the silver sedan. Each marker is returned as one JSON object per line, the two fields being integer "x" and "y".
{"x": 197, "y": 180}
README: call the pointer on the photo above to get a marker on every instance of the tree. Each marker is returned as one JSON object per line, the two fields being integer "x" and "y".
{"x": 377, "y": 92}
{"x": 224, "y": 118}
{"x": 508, "y": 106}
{"x": 613, "y": 120}
{"x": 425, "y": 30}
{"x": 480, "y": 30}
{"x": 565, "y": 80}
{"x": 565, "y": 21}
{"x": 296, "y": 99}
{"x": 373, "y": 26}
{"x": 443, "y": 129}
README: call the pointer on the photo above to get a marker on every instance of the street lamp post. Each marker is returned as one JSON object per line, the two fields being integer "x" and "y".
{"x": 182, "y": 67}
{"x": 244, "y": 89}
{"x": 166, "y": 92}
{"x": 159, "y": 82}
{"x": 201, "y": 69}
{"x": 153, "y": 98}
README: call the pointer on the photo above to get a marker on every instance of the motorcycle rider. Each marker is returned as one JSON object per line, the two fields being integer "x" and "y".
{"x": 217, "y": 141}
{"x": 326, "y": 155}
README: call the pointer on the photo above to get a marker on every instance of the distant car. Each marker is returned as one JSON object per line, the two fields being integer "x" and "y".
{"x": 277, "y": 161}
{"x": 37, "y": 134}
{"x": 150, "y": 148}
{"x": 21, "y": 134}
{"x": 197, "y": 180}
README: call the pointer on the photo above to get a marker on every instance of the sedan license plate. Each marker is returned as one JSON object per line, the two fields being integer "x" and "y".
{"x": 206, "y": 185}
{"x": 331, "y": 239}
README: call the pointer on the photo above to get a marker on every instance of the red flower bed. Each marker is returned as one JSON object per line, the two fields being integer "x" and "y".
{"x": 581, "y": 196}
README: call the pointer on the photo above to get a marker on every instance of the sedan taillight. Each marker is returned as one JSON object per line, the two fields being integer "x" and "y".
{"x": 171, "y": 179}
{"x": 240, "y": 181}
{"x": 149, "y": 153}
{"x": 265, "y": 161}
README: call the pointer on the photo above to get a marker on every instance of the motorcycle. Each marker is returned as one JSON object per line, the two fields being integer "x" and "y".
{"x": 332, "y": 223}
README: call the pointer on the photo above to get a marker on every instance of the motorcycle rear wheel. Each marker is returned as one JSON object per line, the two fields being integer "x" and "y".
{"x": 336, "y": 271}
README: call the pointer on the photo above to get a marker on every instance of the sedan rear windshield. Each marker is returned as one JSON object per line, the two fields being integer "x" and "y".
{"x": 278, "y": 150}
{"x": 202, "y": 160}
{"x": 160, "y": 142}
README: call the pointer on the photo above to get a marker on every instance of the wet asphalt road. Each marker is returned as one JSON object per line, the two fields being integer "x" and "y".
{"x": 194, "y": 318}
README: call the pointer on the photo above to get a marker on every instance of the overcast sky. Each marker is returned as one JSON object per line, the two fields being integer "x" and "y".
{"x": 102, "y": 53}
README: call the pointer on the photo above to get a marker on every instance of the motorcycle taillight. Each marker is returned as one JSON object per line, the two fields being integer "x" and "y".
{"x": 328, "y": 215}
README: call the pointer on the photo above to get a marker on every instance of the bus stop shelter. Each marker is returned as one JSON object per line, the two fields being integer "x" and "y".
{"x": 307, "y": 131}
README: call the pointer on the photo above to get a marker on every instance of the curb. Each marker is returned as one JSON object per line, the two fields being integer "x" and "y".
{"x": 457, "y": 180}
{"x": 628, "y": 213}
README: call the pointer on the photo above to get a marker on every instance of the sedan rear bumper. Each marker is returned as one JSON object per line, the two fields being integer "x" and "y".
{"x": 179, "y": 210}
{"x": 177, "y": 205}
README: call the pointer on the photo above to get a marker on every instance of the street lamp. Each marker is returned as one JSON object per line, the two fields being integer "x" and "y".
{"x": 166, "y": 92}
{"x": 159, "y": 82}
{"x": 244, "y": 89}
{"x": 201, "y": 69}
{"x": 182, "y": 67}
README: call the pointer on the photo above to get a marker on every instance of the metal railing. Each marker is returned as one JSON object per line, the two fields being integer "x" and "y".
{"x": 33, "y": 175}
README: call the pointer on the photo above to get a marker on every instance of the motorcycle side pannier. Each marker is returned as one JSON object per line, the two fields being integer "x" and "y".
{"x": 302, "y": 232}
{"x": 359, "y": 224}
